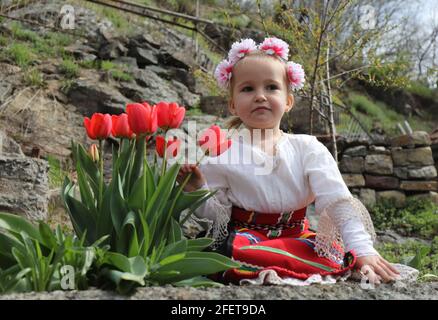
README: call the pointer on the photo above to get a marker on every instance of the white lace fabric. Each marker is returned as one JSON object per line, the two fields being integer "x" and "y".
{"x": 347, "y": 223}
{"x": 216, "y": 224}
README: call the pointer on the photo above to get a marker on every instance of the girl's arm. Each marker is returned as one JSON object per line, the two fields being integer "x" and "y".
{"x": 343, "y": 218}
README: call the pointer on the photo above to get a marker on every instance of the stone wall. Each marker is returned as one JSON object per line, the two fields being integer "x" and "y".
{"x": 402, "y": 168}
{"x": 23, "y": 181}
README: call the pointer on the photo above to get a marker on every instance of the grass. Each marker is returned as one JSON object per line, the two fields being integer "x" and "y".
{"x": 422, "y": 90}
{"x": 69, "y": 68}
{"x": 56, "y": 173}
{"x": 414, "y": 254}
{"x": 116, "y": 71}
{"x": 418, "y": 218}
{"x": 377, "y": 114}
{"x": 20, "y": 54}
{"x": 34, "y": 78}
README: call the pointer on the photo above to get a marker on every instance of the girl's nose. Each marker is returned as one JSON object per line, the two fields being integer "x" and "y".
{"x": 260, "y": 96}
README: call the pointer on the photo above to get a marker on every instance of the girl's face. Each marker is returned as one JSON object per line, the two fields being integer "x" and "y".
{"x": 260, "y": 96}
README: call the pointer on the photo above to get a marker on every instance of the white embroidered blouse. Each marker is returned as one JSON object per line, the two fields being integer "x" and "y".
{"x": 300, "y": 172}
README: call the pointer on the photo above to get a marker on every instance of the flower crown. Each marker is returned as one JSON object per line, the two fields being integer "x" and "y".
{"x": 270, "y": 46}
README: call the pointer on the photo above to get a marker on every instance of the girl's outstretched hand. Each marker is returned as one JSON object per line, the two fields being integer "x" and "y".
{"x": 375, "y": 268}
{"x": 196, "y": 181}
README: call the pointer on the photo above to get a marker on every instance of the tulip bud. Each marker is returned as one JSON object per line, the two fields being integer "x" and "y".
{"x": 94, "y": 152}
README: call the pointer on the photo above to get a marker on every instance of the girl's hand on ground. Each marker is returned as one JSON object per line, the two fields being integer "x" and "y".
{"x": 196, "y": 181}
{"x": 375, "y": 268}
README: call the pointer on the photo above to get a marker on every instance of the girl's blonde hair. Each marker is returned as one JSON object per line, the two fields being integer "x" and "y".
{"x": 235, "y": 122}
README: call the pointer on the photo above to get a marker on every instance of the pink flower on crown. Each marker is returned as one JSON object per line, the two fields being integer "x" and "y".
{"x": 223, "y": 73}
{"x": 275, "y": 46}
{"x": 239, "y": 49}
{"x": 295, "y": 74}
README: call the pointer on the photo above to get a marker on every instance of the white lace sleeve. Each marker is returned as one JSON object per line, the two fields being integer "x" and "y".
{"x": 343, "y": 220}
{"x": 214, "y": 214}
{"x": 347, "y": 223}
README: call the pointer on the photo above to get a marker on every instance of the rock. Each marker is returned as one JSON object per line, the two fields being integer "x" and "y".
{"x": 82, "y": 52}
{"x": 143, "y": 56}
{"x": 38, "y": 121}
{"x": 132, "y": 91}
{"x": 415, "y": 139}
{"x": 381, "y": 182}
{"x": 417, "y": 157}
{"x": 177, "y": 59}
{"x": 215, "y": 105}
{"x": 419, "y": 185}
{"x": 431, "y": 195}
{"x": 397, "y": 197}
{"x": 367, "y": 197}
{"x": 378, "y": 150}
{"x": 130, "y": 62}
{"x": 183, "y": 76}
{"x": 187, "y": 98}
{"x": 112, "y": 50}
{"x": 90, "y": 97}
{"x": 378, "y": 164}
{"x": 353, "y": 180}
{"x": 9, "y": 146}
{"x": 162, "y": 72}
{"x": 24, "y": 186}
{"x": 156, "y": 88}
{"x": 352, "y": 164}
{"x": 359, "y": 151}
{"x": 144, "y": 40}
{"x": 407, "y": 289}
{"x": 428, "y": 172}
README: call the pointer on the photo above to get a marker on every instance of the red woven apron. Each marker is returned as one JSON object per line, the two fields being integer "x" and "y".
{"x": 281, "y": 242}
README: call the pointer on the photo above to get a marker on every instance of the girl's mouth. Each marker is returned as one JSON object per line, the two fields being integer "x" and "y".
{"x": 261, "y": 108}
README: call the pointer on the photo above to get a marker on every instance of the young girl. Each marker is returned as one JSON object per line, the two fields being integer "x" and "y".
{"x": 259, "y": 219}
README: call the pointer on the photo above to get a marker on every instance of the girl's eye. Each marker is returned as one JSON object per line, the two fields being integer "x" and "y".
{"x": 246, "y": 89}
{"x": 273, "y": 87}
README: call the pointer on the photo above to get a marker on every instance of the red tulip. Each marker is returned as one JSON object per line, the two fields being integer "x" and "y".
{"x": 173, "y": 146}
{"x": 99, "y": 127}
{"x": 142, "y": 118}
{"x": 214, "y": 142}
{"x": 121, "y": 127}
{"x": 170, "y": 115}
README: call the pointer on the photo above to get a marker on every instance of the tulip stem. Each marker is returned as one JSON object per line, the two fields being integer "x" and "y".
{"x": 164, "y": 164}
{"x": 101, "y": 173}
